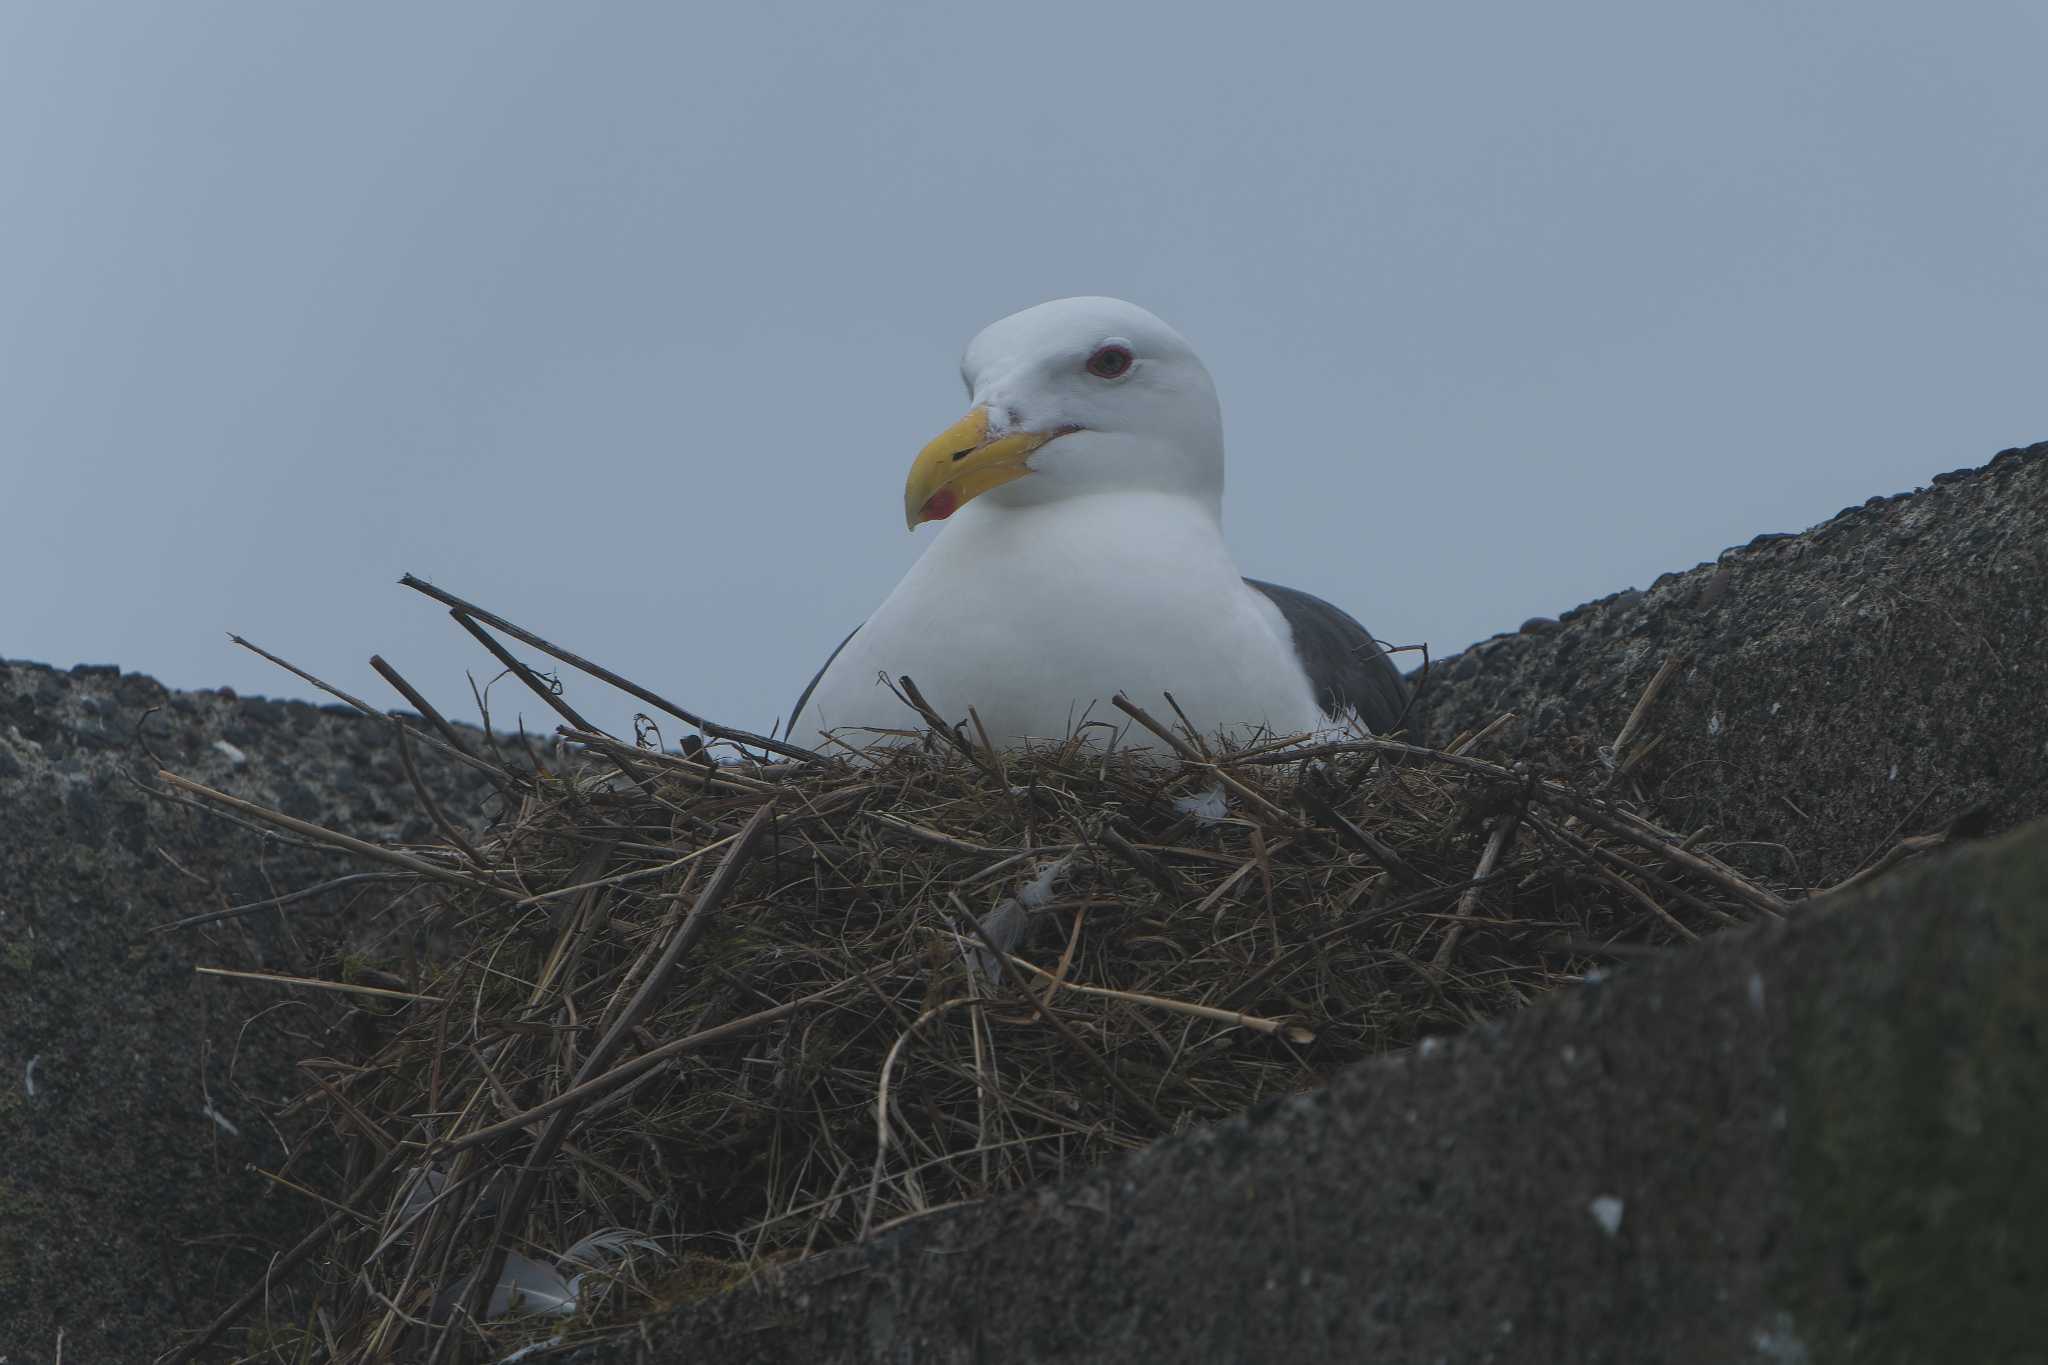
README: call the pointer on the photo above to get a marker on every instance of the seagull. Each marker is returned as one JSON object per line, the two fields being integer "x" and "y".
{"x": 1081, "y": 555}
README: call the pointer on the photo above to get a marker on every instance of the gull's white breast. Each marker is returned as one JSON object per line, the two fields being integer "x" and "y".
{"x": 1037, "y": 615}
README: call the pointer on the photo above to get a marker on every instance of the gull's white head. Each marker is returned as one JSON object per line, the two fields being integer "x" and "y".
{"x": 1072, "y": 397}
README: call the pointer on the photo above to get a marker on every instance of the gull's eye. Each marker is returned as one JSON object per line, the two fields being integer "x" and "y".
{"x": 1112, "y": 360}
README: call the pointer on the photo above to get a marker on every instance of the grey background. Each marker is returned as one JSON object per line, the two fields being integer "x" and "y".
{"x": 627, "y": 319}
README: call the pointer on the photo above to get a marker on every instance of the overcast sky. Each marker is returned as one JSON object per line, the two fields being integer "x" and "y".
{"x": 626, "y": 320}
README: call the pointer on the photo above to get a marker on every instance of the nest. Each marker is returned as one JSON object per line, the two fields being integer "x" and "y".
{"x": 679, "y": 1016}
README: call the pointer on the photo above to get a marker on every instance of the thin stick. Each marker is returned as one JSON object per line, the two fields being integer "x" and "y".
{"x": 1503, "y": 830}
{"x": 1369, "y": 744}
{"x": 268, "y": 836}
{"x": 211, "y": 916}
{"x": 926, "y": 834}
{"x": 1645, "y": 899}
{"x": 369, "y": 1126}
{"x": 375, "y": 852}
{"x": 1620, "y": 865}
{"x": 1066, "y": 1031}
{"x": 631, "y": 980}
{"x": 1188, "y": 754}
{"x": 995, "y": 755}
{"x": 702, "y": 770}
{"x": 1414, "y": 901}
{"x": 656, "y": 981}
{"x": 1884, "y": 845}
{"x": 1471, "y": 742}
{"x": 577, "y": 661}
{"x": 626, "y": 1071}
{"x": 1910, "y": 846}
{"x": 329, "y": 688}
{"x": 1378, "y": 850}
{"x": 491, "y": 1265}
{"x": 1153, "y": 869}
{"x": 1198, "y": 760}
{"x": 638, "y": 874}
{"x": 1201, "y": 745}
{"x": 496, "y": 773}
{"x": 419, "y": 702}
{"x": 1644, "y": 750}
{"x": 1634, "y": 828}
{"x": 1223, "y": 888}
{"x": 1295, "y": 1033}
{"x": 548, "y": 695}
{"x": 1642, "y": 706}
{"x": 1641, "y": 833}
{"x": 937, "y": 723}
{"x": 883, "y": 1134}
{"x": 433, "y": 807}
{"x": 290, "y": 1261}
{"x": 345, "y": 987}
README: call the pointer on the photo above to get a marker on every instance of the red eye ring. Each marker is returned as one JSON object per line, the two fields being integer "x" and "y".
{"x": 1111, "y": 361}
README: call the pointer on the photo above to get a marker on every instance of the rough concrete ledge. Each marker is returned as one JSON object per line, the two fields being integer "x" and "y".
{"x": 1877, "y": 674}
{"x": 1818, "y": 1142}
{"x": 133, "y": 1093}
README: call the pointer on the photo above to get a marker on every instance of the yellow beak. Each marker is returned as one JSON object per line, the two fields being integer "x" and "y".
{"x": 962, "y": 463}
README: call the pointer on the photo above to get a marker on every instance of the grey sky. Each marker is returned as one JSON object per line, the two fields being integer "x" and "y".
{"x": 626, "y": 320}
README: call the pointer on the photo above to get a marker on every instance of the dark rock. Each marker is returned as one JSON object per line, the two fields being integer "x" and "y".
{"x": 302, "y": 802}
{"x": 1714, "y": 588}
{"x": 83, "y": 808}
{"x": 262, "y": 711}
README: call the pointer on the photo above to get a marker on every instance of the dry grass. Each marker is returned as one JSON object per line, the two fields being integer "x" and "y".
{"x": 746, "y": 1011}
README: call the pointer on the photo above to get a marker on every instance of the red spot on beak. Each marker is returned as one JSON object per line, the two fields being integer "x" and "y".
{"x": 941, "y": 505}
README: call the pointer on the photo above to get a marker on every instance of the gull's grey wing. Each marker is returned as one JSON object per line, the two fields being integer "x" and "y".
{"x": 812, "y": 685}
{"x": 1346, "y": 666}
